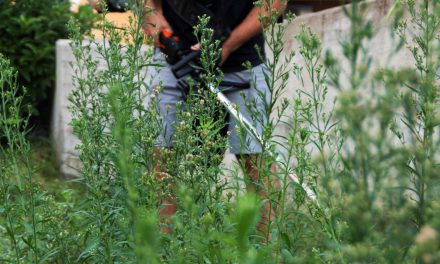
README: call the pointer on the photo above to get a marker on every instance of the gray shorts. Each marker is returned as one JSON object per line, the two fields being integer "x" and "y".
{"x": 255, "y": 94}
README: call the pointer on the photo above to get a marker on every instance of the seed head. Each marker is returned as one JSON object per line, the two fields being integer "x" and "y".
{"x": 156, "y": 89}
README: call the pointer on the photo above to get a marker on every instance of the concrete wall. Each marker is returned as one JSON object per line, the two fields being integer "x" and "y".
{"x": 330, "y": 25}
{"x": 62, "y": 132}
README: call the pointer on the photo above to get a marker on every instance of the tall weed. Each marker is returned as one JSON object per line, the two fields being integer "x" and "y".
{"x": 370, "y": 155}
{"x": 32, "y": 222}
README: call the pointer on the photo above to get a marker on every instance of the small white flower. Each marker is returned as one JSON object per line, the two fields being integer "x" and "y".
{"x": 156, "y": 89}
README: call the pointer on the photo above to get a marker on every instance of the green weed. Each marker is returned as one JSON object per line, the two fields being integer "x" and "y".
{"x": 371, "y": 155}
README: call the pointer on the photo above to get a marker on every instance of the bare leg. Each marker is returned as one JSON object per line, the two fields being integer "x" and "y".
{"x": 166, "y": 198}
{"x": 262, "y": 187}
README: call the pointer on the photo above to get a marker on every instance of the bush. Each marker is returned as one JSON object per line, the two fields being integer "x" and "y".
{"x": 28, "y": 33}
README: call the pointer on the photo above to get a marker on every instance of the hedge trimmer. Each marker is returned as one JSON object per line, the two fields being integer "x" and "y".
{"x": 184, "y": 63}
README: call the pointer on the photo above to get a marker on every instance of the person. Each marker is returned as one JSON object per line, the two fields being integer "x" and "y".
{"x": 244, "y": 32}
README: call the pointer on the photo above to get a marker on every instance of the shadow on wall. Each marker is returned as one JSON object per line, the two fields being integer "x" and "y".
{"x": 302, "y": 7}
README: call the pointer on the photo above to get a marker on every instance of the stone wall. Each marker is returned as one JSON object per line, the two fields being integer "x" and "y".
{"x": 330, "y": 25}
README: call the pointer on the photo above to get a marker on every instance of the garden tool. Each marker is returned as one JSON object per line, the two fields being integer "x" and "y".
{"x": 186, "y": 63}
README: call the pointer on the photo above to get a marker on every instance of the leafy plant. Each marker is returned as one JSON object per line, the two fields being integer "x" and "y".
{"x": 371, "y": 156}
{"x": 31, "y": 221}
{"x": 29, "y": 32}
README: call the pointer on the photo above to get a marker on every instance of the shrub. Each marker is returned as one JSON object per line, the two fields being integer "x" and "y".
{"x": 29, "y": 30}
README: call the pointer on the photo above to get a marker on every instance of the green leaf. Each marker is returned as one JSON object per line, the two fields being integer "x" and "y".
{"x": 92, "y": 245}
{"x": 393, "y": 8}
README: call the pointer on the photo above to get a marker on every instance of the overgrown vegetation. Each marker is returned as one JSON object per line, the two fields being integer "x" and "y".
{"x": 371, "y": 155}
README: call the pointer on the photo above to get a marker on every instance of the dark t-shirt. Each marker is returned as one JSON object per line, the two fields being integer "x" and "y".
{"x": 234, "y": 15}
